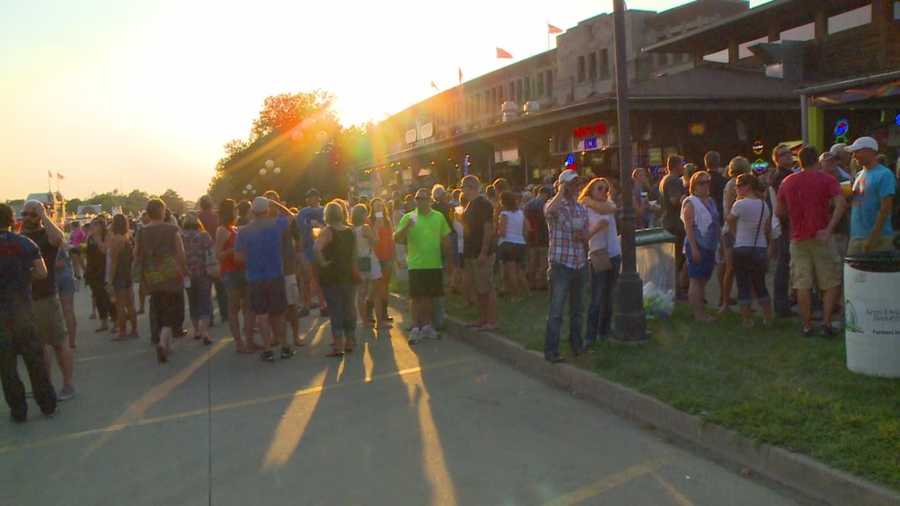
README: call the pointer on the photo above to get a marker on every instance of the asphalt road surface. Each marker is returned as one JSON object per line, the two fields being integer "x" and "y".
{"x": 438, "y": 423}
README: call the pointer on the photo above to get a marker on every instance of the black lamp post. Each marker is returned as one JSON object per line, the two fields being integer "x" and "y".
{"x": 631, "y": 325}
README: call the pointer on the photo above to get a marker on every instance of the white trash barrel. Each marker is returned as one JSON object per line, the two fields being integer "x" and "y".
{"x": 872, "y": 314}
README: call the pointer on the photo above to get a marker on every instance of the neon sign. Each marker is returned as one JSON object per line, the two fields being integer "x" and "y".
{"x": 590, "y": 130}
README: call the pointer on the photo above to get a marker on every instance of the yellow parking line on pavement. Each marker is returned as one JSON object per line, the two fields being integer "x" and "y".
{"x": 673, "y": 492}
{"x": 216, "y": 408}
{"x": 603, "y": 485}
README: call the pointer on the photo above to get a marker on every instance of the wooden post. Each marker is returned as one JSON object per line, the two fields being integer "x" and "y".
{"x": 733, "y": 53}
{"x": 774, "y": 31}
{"x": 882, "y": 17}
{"x": 821, "y": 26}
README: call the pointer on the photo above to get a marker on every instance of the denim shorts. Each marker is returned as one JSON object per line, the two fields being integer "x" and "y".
{"x": 702, "y": 269}
{"x": 65, "y": 283}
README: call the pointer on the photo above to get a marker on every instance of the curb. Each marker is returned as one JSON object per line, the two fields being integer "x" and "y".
{"x": 798, "y": 473}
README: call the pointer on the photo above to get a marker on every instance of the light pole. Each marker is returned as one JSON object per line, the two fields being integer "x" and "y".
{"x": 631, "y": 325}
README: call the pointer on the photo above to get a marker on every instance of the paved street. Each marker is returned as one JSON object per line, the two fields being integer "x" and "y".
{"x": 436, "y": 424}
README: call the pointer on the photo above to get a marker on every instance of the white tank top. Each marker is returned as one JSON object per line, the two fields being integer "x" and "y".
{"x": 515, "y": 227}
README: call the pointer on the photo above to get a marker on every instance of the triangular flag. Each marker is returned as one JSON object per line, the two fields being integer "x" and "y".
{"x": 59, "y": 176}
{"x": 435, "y": 86}
{"x": 553, "y": 29}
{"x": 502, "y": 53}
{"x": 460, "y": 74}
{"x": 49, "y": 174}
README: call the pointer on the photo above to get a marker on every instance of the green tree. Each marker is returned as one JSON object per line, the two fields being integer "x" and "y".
{"x": 173, "y": 201}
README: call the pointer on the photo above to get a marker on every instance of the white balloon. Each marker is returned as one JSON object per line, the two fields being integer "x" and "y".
{"x": 262, "y": 172}
{"x": 269, "y": 164}
{"x": 277, "y": 170}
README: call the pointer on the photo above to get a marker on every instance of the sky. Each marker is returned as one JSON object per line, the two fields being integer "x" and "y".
{"x": 143, "y": 94}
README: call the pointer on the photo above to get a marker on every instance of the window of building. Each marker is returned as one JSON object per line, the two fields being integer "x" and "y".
{"x": 717, "y": 57}
{"x": 851, "y": 19}
{"x": 800, "y": 33}
{"x": 512, "y": 91}
{"x": 581, "y": 70}
{"x": 592, "y": 66}
{"x": 549, "y": 75}
{"x": 500, "y": 95}
{"x": 539, "y": 79}
{"x": 744, "y": 49}
{"x": 604, "y": 64}
{"x": 519, "y": 91}
{"x": 527, "y": 88}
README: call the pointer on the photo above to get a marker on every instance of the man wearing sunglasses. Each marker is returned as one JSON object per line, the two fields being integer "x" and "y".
{"x": 20, "y": 263}
{"x": 48, "y": 314}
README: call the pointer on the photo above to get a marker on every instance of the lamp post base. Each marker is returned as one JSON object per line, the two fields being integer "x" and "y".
{"x": 631, "y": 325}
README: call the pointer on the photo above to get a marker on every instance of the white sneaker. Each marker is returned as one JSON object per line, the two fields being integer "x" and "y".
{"x": 415, "y": 335}
{"x": 428, "y": 332}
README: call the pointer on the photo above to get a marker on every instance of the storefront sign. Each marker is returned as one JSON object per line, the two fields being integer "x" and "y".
{"x": 426, "y": 131}
{"x": 697, "y": 129}
{"x": 841, "y": 129}
{"x": 595, "y": 130}
{"x": 506, "y": 155}
{"x": 758, "y": 147}
{"x": 411, "y": 136}
{"x": 654, "y": 156}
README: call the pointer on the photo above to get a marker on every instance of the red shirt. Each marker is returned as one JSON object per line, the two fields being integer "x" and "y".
{"x": 807, "y": 197}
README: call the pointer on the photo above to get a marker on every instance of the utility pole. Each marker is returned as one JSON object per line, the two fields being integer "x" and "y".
{"x": 631, "y": 324}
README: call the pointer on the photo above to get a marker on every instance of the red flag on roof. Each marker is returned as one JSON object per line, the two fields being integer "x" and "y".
{"x": 502, "y": 53}
{"x": 553, "y": 29}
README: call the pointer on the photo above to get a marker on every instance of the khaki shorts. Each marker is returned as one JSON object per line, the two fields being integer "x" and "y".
{"x": 482, "y": 275}
{"x": 292, "y": 290}
{"x": 49, "y": 323}
{"x": 813, "y": 261}
{"x": 883, "y": 243}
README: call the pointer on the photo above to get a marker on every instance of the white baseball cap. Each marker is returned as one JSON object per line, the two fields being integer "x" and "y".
{"x": 260, "y": 205}
{"x": 567, "y": 176}
{"x": 863, "y": 143}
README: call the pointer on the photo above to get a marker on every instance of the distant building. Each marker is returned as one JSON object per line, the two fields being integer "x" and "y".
{"x": 523, "y": 120}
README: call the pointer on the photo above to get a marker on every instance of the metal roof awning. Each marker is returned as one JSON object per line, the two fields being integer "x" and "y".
{"x": 752, "y": 24}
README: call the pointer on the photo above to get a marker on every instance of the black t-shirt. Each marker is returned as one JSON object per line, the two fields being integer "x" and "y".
{"x": 43, "y": 288}
{"x": 479, "y": 214}
{"x": 671, "y": 186}
{"x": 717, "y": 189}
{"x": 534, "y": 212}
{"x": 445, "y": 210}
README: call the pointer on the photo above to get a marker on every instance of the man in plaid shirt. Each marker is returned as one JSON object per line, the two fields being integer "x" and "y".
{"x": 567, "y": 222}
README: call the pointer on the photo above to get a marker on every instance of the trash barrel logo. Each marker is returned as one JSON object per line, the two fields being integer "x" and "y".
{"x": 852, "y": 321}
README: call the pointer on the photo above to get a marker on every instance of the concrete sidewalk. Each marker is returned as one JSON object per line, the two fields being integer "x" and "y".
{"x": 438, "y": 423}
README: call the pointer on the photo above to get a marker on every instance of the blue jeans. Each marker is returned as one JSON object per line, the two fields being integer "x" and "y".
{"x": 599, "y": 319}
{"x": 565, "y": 283}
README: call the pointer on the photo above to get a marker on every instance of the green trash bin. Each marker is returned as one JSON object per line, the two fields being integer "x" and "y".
{"x": 872, "y": 313}
{"x": 655, "y": 256}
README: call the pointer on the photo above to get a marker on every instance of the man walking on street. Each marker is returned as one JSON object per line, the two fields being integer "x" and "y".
{"x": 259, "y": 247}
{"x": 20, "y": 263}
{"x": 49, "y": 321}
{"x": 160, "y": 254}
{"x": 567, "y": 221}
{"x": 873, "y": 201}
{"x": 425, "y": 232}
{"x": 808, "y": 197}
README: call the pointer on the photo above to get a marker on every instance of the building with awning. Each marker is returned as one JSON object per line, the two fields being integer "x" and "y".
{"x": 842, "y": 56}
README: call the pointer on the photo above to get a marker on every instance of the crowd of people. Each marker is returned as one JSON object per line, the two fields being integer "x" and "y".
{"x": 270, "y": 265}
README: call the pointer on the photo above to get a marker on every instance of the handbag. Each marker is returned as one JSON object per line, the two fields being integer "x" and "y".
{"x": 364, "y": 264}
{"x": 752, "y": 258}
{"x": 212, "y": 265}
{"x": 600, "y": 260}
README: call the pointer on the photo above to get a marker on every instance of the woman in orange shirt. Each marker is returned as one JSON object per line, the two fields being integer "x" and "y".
{"x": 380, "y": 221}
